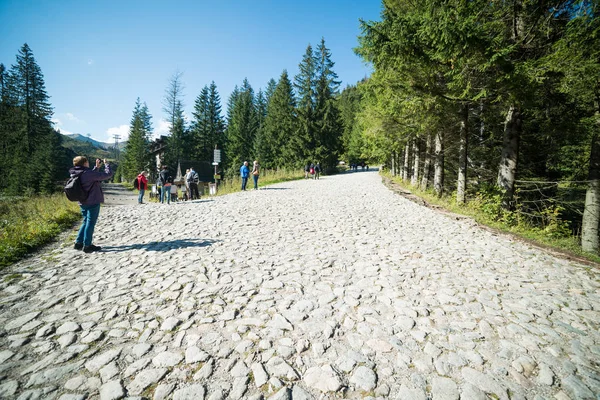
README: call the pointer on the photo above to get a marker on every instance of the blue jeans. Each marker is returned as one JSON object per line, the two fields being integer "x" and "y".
{"x": 255, "y": 181}
{"x": 141, "y": 196}
{"x": 244, "y": 182}
{"x": 90, "y": 216}
{"x": 165, "y": 194}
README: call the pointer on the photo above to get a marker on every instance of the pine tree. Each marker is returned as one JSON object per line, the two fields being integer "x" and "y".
{"x": 200, "y": 129}
{"x": 136, "y": 157}
{"x": 241, "y": 127}
{"x": 178, "y": 145}
{"x": 328, "y": 124}
{"x": 261, "y": 114}
{"x": 32, "y": 141}
{"x": 305, "y": 83}
{"x": 271, "y": 85}
{"x": 279, "y": 146}
{"x": 215, "y": 119}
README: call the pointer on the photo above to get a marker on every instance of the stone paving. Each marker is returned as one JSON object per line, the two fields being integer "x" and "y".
{"x": 336, "y": 288}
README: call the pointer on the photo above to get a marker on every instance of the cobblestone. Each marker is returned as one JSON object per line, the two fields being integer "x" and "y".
{"x": 333, "y": 288}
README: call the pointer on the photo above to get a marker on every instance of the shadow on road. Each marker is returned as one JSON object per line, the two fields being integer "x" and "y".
{"x": 274, "y": 188}
{"x": 161, "y": 246}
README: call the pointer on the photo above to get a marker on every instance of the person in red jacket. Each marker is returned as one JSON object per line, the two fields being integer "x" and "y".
{"x": 142, "y": 185}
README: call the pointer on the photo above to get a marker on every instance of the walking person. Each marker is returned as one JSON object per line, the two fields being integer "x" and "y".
{"x": 142, "y": 179}
{"x": 244, "y": 172}
{"x": 163, "y": 177}
{"x": 255, "y": 173}
{"x": 185, "y": 189}
{"x": 193, "y": 179}
{"x": 158, "y": 188}
{"x": 167, "y": 188}
{"x": 318, "y": 171}
{"x": 90, "y": 208}
{"x": 306, "y": 170}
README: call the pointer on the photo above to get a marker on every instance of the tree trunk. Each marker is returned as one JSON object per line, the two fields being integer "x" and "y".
{"x": 510, "y": 154}
{"x": 393, "y": 164}
{"x": 401, "y": 163}
{"x": 427, "y": 164}
{"x": 406, "y": 168}
{"x": 591, "y": 212}
{"x": 462, "y": 156}
{"x": 416, "y": 159}
{"x": 438, "y": 176}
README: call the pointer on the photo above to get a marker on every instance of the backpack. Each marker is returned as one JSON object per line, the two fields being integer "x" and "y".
{"x": 312, "y": 171}
{"x": 196, "y": 178}
{"x": 74, "y": 190}
{"x": 136, "y": 183}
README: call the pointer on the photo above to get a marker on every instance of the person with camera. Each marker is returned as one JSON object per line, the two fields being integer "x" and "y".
{"x": 90, "y": 207}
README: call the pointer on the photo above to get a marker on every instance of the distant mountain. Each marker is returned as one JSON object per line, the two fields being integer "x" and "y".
{"x": 89, "y": 147}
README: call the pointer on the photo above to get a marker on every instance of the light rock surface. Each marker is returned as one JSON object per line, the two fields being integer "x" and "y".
{"x": 307, "y": 289}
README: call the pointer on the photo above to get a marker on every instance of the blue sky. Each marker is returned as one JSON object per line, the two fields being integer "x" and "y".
{"x": 99, "y": 56}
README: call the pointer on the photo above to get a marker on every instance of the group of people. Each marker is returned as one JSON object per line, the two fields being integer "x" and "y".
{"x": 245, "y": 174}
{"x": 312, "y": 170}
{"x": 363, "y": 165}
{"x": 90, "y": 180}
{"x": 167, "y": 189}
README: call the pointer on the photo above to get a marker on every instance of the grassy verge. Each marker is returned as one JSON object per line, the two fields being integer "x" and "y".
{"x": 26, "y": 223}
{"x": 545, "y": 238}
{"x": 267, "y": 177}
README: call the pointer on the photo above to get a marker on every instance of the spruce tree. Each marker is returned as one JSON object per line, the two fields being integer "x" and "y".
{"x": 304, "y": 83}
{"x": 278, "y": 145}
{"x": 200, "y": 129}
{"x": 271, "y": 85}
{"x": 216, "y": 125}
{"x": 241, "y": 127}
{"x": 33, "y": 142}
{"x": 261, "y": 114}
{"x": 178, "y": 145}
{"x": 328, "y": 125}
{"x": 136, "y": 157}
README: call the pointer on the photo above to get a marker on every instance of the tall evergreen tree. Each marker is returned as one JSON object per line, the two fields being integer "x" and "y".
{"x": 241, "y": 127}
{"x": 271, "y": 85}
{"x": 136, "y": 157}
{"x": 328, "y": 125}
{"x": 178, "y": 145}
{"x": 200, "y": 129}
{"x": 261, "y": 114}
{"x": 304, "y": 83}
{"x": 279, "y": 145}
{"x": 216, "y": 125}
{"x": 34, "y": 144}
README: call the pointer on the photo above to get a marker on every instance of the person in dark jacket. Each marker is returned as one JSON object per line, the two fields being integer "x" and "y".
{"x": 142, "y": 185}
{"x": 163, "y": 177}
{"x": 90, "y": 208}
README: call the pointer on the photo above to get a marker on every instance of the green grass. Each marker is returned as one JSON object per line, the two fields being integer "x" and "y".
{"x": 27, "y": 223}
{"x": 267, "y": 177}
{"x": 532, "y": 234}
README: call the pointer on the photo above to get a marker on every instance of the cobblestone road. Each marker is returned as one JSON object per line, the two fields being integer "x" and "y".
{"x": 335, "y": 288}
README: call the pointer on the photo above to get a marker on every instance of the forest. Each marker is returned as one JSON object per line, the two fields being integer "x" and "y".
{"x": 493, "y": 104}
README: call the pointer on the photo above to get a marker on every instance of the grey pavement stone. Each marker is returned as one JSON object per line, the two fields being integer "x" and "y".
{"x": 363, "y": 378}
{"x": 112, "y": 390}
{"x": 192, "y": 392}
{"x": 144, "y": 379}
{"x": 167, "y": 359}
{"x": 436, "y": 306}
{"x": 323, "y": 378}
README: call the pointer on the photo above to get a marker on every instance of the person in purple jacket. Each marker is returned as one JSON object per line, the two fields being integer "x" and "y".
{"x": 90, "y": 208}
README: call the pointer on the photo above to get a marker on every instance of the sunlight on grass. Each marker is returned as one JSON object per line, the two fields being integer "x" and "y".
{"x": 29, "y": 222}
